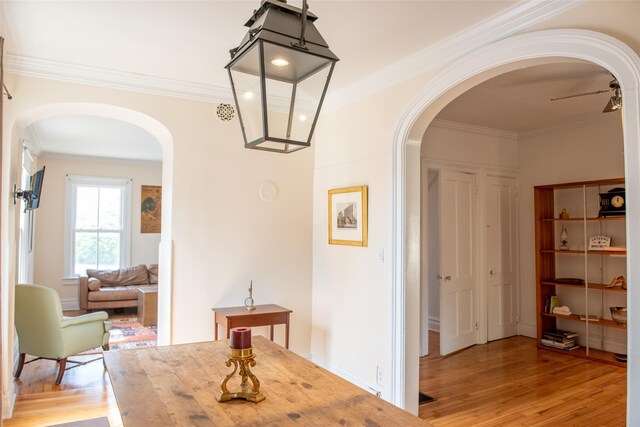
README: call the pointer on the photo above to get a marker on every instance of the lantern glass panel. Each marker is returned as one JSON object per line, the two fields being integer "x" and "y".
{"x": 247, "y": 86}
{"x": 292, "y": 107}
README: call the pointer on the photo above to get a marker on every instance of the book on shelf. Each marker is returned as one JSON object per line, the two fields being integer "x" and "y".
{"x": 554, "y": 302}
{"x": 560, "y": 334}
{"x": 566, "y": 347}
{"x": 557, "y": 340}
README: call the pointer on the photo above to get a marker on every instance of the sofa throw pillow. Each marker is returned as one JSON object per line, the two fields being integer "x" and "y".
{"x": 93, "y": 284}
{"x": 137, "y": 275}
{"x": 153, "y": 274}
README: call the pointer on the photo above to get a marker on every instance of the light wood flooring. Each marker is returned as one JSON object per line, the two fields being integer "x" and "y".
{"x": 510, "y": 382}
{"x": 503, "y": 383}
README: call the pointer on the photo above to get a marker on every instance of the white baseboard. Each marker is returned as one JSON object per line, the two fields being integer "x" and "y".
{"x": 527, "y": 330}
{"x": 8, "y": 402}
{"x": 434, "y": 324}
{"x": 373, "y": 389}
{"x": 70, "y": 304}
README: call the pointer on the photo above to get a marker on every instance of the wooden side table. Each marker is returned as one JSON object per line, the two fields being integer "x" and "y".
{"x": 148, "y": 305}
{"x": 263, "y": 315}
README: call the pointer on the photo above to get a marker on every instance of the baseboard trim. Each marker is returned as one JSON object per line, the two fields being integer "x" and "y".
{"x": 8, "y": 403}
{"x": 527, "y": 330}
{"x": 70, "y": 304}
{"x": 373, "y": 389}
{"x": 434, "y": 324}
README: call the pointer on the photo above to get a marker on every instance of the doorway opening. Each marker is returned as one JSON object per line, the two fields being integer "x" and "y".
{"x": 157, "y": 171}
{"x": 498, "y": 58}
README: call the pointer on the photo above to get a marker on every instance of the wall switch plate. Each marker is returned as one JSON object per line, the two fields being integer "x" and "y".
{"x": 379, "y": 375}
{"x": 381, "y": 255}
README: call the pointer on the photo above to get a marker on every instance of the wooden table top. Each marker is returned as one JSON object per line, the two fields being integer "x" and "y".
{"x": 242, "y": 311}
{"x": 176, "y": 385}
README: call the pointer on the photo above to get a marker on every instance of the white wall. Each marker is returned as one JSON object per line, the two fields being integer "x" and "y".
{"x": 355, "y": 146}
{"x": 49, "y": 230}
{"x": 550, "y": 156}
{"x": 224, "y": 235}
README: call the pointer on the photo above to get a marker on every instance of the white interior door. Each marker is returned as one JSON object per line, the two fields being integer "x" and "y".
{"x": 458, "y": 272}
{"x": 501, "y": 258}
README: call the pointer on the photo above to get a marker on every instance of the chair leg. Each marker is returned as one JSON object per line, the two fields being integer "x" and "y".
{"x": 106, "y": 347}
{"x": 63, "y": 364}
{"x": 20, "y": 365}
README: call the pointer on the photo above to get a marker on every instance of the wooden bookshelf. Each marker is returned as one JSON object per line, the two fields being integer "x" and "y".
{"x": 600, "y": 322}
{"x": 549, "y": 257}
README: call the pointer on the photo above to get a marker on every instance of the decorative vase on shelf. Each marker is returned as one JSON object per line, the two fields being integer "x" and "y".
{"x": 564, "y": 243}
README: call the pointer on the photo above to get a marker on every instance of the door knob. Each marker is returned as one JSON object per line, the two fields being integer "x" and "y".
{"x": 490, "y": 272}
{"x": 447, "y": 277}
{"x": 439, "y": 277}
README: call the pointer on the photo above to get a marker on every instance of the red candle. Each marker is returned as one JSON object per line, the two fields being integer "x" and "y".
{"x": 241, "y": 338}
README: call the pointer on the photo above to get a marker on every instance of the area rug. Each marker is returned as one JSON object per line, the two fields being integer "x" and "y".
{"x": 94, "y": 422}
{"x": 128, "y": 333}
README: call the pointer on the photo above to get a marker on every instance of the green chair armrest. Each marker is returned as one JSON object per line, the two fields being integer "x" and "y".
{"x": 85, "y": 318}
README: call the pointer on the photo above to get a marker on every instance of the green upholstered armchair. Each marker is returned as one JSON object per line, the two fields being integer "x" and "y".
{"x": 45, "y": 333}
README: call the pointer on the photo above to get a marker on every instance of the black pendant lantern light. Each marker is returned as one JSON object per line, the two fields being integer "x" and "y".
{"x": 279, "y": 76}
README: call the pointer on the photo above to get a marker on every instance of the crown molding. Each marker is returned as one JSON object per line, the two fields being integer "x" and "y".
{"x": 584, "y": 122}
{"x": 513, "y": 20}
{"x": 509, "y": 22}
{"x": 478, "y": 130}
{"x": 98, "y": 159}
{"x": 96, "y": 76}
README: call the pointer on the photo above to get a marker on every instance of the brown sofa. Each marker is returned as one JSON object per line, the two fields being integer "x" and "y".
{"x": 101, "y": 289}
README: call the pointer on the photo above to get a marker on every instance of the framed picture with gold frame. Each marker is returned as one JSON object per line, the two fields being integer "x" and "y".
{"x": 348, "y": 216}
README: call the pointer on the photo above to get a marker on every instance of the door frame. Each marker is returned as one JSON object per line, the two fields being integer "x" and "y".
{"x": 481, "y": 173}
{"x": 505, "y": 55}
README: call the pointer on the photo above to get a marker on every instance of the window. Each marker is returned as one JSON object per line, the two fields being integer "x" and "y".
{"x": 98, "y": 227}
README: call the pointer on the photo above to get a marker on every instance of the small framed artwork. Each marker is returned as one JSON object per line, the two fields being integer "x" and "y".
{"x": 150, "y": 208}
{"x": 348, "y": 219}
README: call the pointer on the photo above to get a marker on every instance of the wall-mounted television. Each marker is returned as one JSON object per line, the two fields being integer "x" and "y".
{"x": 31, "y": 196}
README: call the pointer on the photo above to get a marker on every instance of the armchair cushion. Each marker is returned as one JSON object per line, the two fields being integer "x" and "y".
{"x": 94, "y": 284}
{"x": 86, "y": 318}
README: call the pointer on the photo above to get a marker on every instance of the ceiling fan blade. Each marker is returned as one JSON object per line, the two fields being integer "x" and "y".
{"x": 582, "y": 94}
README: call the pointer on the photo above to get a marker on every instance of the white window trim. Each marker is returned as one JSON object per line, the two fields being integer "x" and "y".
{"x": 69, "y": 217}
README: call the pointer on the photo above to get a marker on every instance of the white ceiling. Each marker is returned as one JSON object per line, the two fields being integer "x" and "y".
{"x": 189, "y": 41}
{"x": 520, "y": 100}
{"x": 93, "y": 136}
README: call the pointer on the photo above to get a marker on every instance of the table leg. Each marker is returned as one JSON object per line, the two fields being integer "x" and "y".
{"x": 215, "y": 333}
{"x": 286, "y": 333}
{"x": 271, "y": 332}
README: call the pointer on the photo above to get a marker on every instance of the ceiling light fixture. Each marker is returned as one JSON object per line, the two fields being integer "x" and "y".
{"x": 287, "y": 88}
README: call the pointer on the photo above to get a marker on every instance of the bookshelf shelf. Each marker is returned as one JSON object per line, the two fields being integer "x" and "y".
{"x": 595, "y": 286}
{"x": 582, "y": 252}
{"x": 600, "y": 322}
{"x": 595, "y": 268}
{"x": 594, "y": 354}
{"x": 593, "y": 218}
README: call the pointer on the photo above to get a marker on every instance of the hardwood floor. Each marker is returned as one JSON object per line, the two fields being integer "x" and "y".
{"x": 85, "y": 391}
{"x": 511, "y": 383}
{"x": 503, "y": 383}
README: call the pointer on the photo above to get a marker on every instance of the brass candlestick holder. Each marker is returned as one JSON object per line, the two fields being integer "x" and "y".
{"x": 242, "y": 360}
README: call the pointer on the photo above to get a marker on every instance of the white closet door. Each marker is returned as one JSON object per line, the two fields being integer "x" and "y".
{"x": 458, "y": 265}
{"x": 501, "y": 258}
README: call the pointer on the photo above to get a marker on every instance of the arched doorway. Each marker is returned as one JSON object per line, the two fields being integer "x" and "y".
{"x": 165, "y": 139}
{"x": 500, "y": 57}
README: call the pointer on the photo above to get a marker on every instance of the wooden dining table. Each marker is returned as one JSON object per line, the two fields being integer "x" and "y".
{"x": 176, "y": 385}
